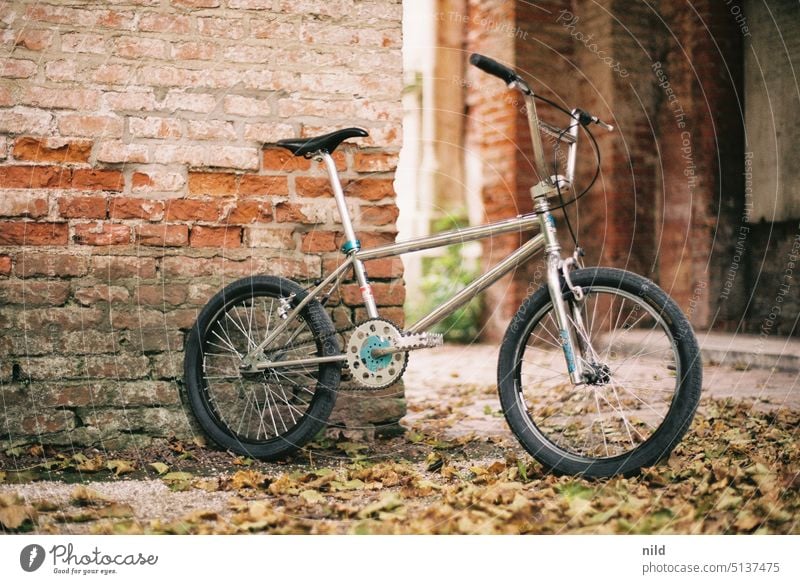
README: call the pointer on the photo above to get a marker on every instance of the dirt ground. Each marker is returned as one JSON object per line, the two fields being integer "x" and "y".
{"x": 456, "y": 469}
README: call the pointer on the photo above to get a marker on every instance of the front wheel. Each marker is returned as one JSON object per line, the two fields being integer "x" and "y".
{"x": 642, "y": 382}
{"x": 267, "y": 414}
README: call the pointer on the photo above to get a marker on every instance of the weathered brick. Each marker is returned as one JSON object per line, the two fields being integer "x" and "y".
{"x": 120, "y": 366}
{"x": 386, "y": 294}
{"x": 115, "y": 152}
{"x": 396, "y": 314}
{"x": 33, "y": 39}
{"x": 81, "y": 99}
{"x": 62, "y": 318}
{"x": 313, "y": 187}
{"x": 319, "y": 241}
{"x": 374, "y": 161}
{"x": 250, "y": 4}
{"x": 25, "y": 120}
{"x": 269, "y": 237}
{"x": 34, "y": 292}
{"x": 101, "y": 233}
{"x": 108, "y": 268}
{"x": 112, "y": 74}
{"x": 34, "y": 177}
{"x": 168, "y": 76}
{"x": 192, "y": 210}
{"x": 27, "y": 264}
{"x": 221, "y": 28}
{"x": 202, "y": 236}
{"x": 213, "y": 183}
{"x": 130, "y": 100}
{"x": 89, "y": 295}
{"x": 194, "y": 51}
{"x": 282, "y": 159}
{"x": 370, "y": 239}
{"x": 385, "y": 268}
{"x": 5, "y": 265}
{"x": 138, "y": 47}
{"x": 210, "y": 130}
{"x": 49, "y": 150}
{"x": 191, "y": 102}
{"x": 298, "y": 213}
{"x": 162, "y": 235}
{"x": 25, "y": 233}
{"x": 127, "y": 208}
{"x": 45, "y": 422}
{"x": 159, "y": 295}
{"x": 90, "y": 125}
{"x": 198, "y": 156}
{"x": 82, "y": 207}
{"x": 243, "y": 212}
{"x": 274, "y": 29}
{"x": 79, "y": 42}
{"x": 379, "y": 214}
{"x": 63, "y": 70}
{"x": 97, "y": 179}
{"x": 156, "y": 22}
{"x": 197, "y": 3}
{"x": 268, "y": 132}
{"x": 372, "y": 189}
{"x": 153, "y": 127}
{"x": 17, "y": 68}
{"x": 257, "y": 185}
{"x": 239, "y": 105}
{"x": 156, "y": 180}
{"x": 23, "y": 204}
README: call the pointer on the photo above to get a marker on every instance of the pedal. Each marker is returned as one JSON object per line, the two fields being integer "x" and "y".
{"x": 414, "y": 341}
{"x": 411, "y": 342}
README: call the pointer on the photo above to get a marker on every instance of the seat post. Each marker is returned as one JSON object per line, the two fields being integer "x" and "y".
{"x": 351, "y": 244}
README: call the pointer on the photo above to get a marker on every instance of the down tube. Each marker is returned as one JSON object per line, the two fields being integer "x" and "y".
{"x": 480, "y": 284}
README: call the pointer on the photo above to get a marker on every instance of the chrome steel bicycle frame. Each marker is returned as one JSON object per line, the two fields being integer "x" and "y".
{"x": 520, "y": 224}
{"x": 546, "y": 238}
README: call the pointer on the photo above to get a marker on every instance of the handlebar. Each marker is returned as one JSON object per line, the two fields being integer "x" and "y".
{"x": 510, "y": 77}
{"x": 492, "y": 67}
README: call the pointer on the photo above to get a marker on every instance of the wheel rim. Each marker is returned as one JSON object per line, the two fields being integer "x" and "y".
{"x": 637, "y": 374}
{"x": 264, "y": 406}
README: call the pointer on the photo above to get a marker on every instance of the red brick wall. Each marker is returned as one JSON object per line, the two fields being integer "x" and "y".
{"x": 136, "y": 181}
{"x": 644, "y": 213}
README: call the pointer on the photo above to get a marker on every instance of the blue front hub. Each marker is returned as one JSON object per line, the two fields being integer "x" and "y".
{"x": 374, "y": 363}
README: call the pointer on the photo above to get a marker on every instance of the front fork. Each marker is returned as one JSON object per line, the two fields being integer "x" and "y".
{"x": 568, "y": 319}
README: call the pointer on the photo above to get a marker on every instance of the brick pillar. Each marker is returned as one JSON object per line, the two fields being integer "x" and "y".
{"x": 137, "y": 179}
{"x": 701, "y": 157}
{"x": 492, "y": 128}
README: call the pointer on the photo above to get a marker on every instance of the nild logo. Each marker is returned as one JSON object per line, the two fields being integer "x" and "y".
{"x": 31, "y": 557}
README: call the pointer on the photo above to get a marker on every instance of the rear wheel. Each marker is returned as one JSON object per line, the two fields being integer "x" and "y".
{"x": 643, "y": 384}
{"x": 274, "y": 412}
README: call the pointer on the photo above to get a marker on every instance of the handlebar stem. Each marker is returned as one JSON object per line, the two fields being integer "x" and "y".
{"x": 536, "y": 139}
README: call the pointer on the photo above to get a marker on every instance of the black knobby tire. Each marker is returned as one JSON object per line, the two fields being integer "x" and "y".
{"x": 646, "y": 388}
{"x": 271, "y": 414}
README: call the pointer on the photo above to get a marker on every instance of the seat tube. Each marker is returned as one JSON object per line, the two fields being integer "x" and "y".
{"x": 351, "y": 244}
{"x": 566, "y": 332}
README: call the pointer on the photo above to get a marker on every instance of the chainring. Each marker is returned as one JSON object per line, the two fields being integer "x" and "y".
{"x": 368, "y": 370}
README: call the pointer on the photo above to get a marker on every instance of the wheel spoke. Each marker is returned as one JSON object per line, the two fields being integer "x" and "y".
{"x": 600, "y": 420}
{"x": 257, "y": 407}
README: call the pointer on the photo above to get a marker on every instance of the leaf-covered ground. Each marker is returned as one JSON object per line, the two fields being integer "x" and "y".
{"x": 736, "y": 472}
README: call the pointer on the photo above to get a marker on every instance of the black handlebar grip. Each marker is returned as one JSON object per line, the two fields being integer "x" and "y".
{"x": 492, "y": 67}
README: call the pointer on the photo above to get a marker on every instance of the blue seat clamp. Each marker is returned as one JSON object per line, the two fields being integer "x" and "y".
{"x": 349, "y": 246}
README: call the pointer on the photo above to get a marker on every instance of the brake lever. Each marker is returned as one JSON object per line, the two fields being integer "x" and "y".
{"x": 586, "y": 118}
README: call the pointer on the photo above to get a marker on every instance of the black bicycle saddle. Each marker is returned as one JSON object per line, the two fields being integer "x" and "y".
{"x": 327, "y": 142}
